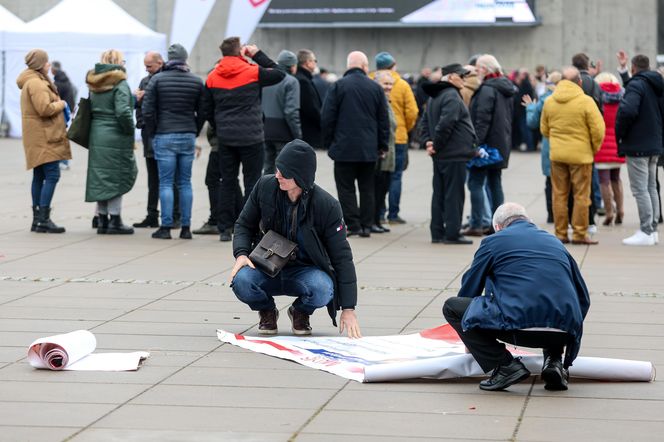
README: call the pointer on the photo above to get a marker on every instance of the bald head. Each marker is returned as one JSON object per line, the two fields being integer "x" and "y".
{"x": 357, "y": 59}
{"x": 572, "y": 74}
{"x": 153, "y": 62}
{"x": 507, "y": 213}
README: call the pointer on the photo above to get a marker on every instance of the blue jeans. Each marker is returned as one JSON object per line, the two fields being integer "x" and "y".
{"x": 312, "y": 287}
{"x": 174, "y": 152}
{"x": 478, "y": 178}
{"x": 44, "y": 178}
{"x": 394, "y": 197}
{"x": 597, "y": 192}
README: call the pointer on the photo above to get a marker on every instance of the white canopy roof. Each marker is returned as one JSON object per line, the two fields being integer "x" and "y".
{"x": 75, "y": 33}
{"x": 8, "y": 21}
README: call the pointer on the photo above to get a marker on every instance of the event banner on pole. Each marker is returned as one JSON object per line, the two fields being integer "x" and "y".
{"x": 189, "y": 17}
{"x": 243, "y": 18}
{"x": 436, "y": 353}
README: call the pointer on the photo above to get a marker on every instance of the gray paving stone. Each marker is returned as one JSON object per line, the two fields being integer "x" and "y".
{"x": 429, "y": 425}
{"x": 13, "y": 433}
{"x": 120, "y": 435}
{"x": 169, "y": 297}
{"x": 51, "y": 414}
{"x": 240, "y": 397}
{"x": 171, "y": 417}
{"x": 556, "y": 429}
{"x": 64, "y": 392}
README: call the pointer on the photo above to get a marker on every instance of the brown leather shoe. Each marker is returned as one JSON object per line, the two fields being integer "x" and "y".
{"x": 472, "y": 232}
{"x": 268, "y": 322}
{"x": 300, "y": 322}
{"x": 585, "y": 241}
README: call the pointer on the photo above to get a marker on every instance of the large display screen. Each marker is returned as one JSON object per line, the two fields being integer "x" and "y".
{"x": 388, "y": 13}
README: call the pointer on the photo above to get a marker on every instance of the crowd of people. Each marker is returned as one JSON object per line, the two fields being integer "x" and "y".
{"x": 265, "y": 118}
{"x": 366, "y": 120}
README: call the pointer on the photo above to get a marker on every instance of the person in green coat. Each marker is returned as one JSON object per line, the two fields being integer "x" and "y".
{"x": 111, "y": 164}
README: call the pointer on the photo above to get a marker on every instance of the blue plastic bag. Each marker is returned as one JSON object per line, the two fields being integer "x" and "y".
{"x": 493, "y": 157}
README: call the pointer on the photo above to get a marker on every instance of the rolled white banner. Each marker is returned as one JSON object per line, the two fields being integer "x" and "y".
{"x": 73, "y": 351}
{"x": 59, "y": 351}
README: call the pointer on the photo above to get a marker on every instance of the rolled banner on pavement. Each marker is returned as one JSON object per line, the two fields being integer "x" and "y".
{"x": 59, "y": 351}
{"x": 73, "y": 351}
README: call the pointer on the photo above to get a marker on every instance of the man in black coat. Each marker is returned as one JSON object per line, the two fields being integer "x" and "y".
{"x": 67, "y": 92}
{"x": 153, "y": 62}
{"x": 639, "y": 135}
{"x": 449, "y": 137}
{"x": 310, "y": 99}
{"x": 491, "y": 111}
{"x": 66, "y": 89}
{"x": 234, "y": 89}
{"x": 323, "y": 273}
{"x": 356, "y": 130}
{"x": 174, "y": 110}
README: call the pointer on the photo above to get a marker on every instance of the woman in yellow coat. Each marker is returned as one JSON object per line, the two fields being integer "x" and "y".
{"x": 44, "y": 136}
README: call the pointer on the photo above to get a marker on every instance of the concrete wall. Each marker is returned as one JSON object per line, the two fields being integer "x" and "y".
{"x": 598, "y": 27}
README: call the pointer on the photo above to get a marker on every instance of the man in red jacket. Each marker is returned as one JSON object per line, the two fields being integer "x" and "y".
{"x": 235, "y": 86}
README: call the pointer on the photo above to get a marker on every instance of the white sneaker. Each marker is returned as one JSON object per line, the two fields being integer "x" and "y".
{"x": 640, "y": 238}
{"x": 592, "y": 229}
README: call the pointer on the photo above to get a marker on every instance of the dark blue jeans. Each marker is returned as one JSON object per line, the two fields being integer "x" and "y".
{"x": 175, "y": 152}
{"x": 44, "y": 178}
{"x": 477, "y": 179}
{"x": 312, "y": 287}
{"x": 394, "y": 197}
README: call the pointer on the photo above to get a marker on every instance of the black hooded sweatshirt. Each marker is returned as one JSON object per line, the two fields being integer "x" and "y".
{"x": 491, "y": 110}
{"x": 639, "y": 117}
{"x": 321, "y": 228}
{"x": 447, "y": 123}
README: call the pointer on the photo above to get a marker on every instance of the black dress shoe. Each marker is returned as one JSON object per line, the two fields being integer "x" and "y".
{"x": 377, "y": 229}
{"x": 458, "y": 240}
{"x": 554, "y": 375}
{"x": 505, "y": 375}
{"x": 365, "y": 232}
{"x": 149, "y": 221}
{"x": 437, "y": 240}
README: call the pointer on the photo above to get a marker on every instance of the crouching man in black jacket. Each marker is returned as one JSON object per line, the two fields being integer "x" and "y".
{"x": 323, "y": 273}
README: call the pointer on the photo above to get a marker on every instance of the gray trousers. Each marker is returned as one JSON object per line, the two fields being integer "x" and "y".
{"x": 110, "y": 207}
{"x": 272, "y": 149}
{"x": 642, "y": 173}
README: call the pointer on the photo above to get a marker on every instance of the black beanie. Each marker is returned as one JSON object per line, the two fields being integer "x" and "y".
{"x": 297, "y": 160}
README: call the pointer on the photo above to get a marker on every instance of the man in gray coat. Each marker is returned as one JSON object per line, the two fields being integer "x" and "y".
{"x": 281, "y": 109}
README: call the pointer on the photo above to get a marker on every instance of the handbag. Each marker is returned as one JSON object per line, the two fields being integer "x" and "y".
{"x": 79, "y": 131}
{"x": 272, "y": 253}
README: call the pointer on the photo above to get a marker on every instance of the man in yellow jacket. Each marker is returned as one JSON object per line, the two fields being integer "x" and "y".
{"x": 404, "y": 106}
{"x": 575, "y": 128}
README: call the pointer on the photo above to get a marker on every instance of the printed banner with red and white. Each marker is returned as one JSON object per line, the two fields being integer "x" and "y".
{"x": 436, "y": 353}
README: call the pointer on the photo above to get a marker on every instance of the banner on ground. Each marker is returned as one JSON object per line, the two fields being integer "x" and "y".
{"x": 74, "y": 351}
{"x": 436, "y": 353}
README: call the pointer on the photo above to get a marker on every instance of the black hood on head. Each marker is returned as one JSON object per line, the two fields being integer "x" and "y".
{"x": 434, "y": 89}
{"x": 502, "y": 85}
{"x": 298, "y": 160}
{"x": 653, "y": 78}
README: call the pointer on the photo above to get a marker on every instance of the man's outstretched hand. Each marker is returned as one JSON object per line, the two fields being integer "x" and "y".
{"x": 348, "y": 322}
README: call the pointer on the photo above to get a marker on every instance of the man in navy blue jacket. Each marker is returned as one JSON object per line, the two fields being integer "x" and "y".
{"x": 535, "y": 297}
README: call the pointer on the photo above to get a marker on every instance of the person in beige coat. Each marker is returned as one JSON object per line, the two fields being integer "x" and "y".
{"x": 44, "y": 136}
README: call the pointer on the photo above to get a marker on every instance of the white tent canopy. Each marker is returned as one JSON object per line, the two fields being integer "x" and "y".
{"x": 8, "y": 22}
{"x": 75, "y": 33}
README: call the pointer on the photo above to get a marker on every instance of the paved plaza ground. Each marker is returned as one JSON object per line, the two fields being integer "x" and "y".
{"x": 169, "y": 297}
